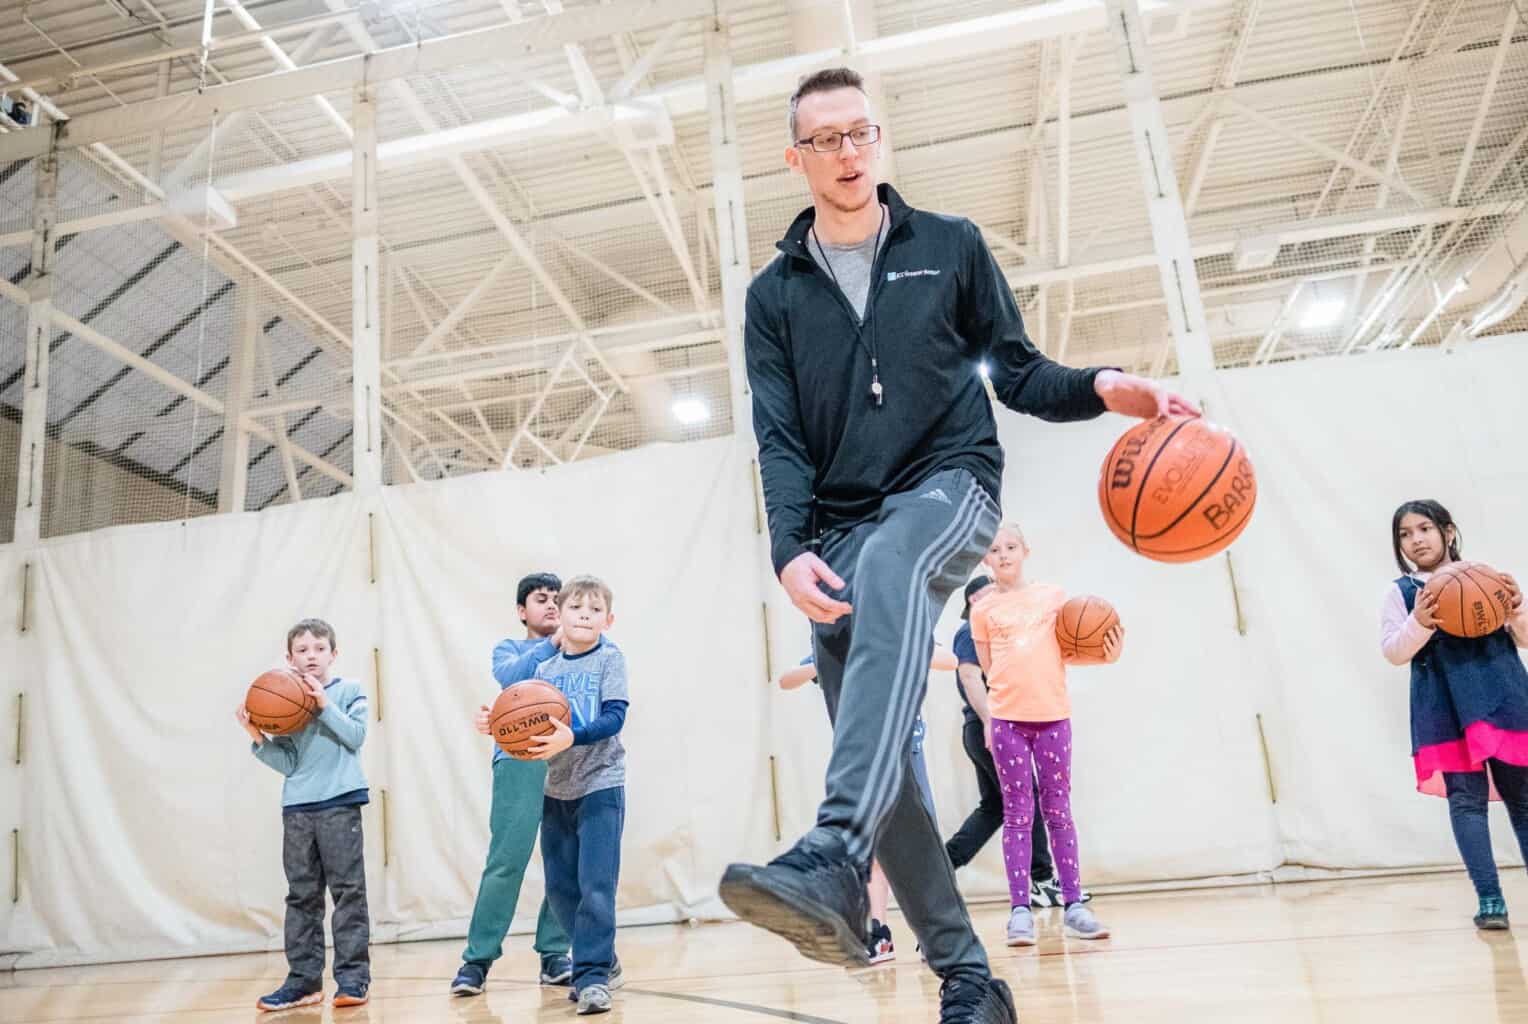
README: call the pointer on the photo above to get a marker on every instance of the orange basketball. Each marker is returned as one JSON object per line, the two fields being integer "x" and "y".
{"x": 278, "y": 703}
{"x": 1177, "y": 489}
{"x": 1472, "y": 599}
{"x": 524, "y": 711}
{"x": 1081, "y": 625}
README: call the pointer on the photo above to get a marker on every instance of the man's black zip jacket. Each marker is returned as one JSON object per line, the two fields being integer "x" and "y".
{"x": 939, "y": 306}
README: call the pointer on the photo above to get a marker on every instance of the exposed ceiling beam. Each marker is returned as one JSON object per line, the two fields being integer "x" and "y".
{"x": 959, "y": 41}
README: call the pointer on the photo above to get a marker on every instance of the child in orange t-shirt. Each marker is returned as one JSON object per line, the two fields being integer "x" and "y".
{"x": 1015, "y": 635}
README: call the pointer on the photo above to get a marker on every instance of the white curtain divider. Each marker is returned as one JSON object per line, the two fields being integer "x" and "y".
{"x": 150, "y": 831}
{"x": 14, "y": 675}
{"x": 669, "y": 529}
{"x": 1338, "y": 444}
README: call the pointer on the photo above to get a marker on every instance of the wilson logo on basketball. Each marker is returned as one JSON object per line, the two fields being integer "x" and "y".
{"x": 1125, "y": 462}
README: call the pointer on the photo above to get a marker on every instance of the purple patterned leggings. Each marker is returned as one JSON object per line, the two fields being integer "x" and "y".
{"x": 1042, "y": 750}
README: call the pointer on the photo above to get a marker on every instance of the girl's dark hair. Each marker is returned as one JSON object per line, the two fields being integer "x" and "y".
{"x": 1428, "y": 509}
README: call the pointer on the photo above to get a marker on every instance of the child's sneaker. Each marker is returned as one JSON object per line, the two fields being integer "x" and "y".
{"x": 288, "y": 996}
{"x": 880, "y": 948}
{"x": 1021, "y": 927}
{"x": 616, "y": 979}
{"x": 470, "y": 979}
{"x": 350, "y": 995}
{"x": 594, "y": 999}
{"x": 1048, "y": 894}
{"x": 1081, "y": 924}
{"x": 556, "y": 969}
{"x": 1493, "y": 915}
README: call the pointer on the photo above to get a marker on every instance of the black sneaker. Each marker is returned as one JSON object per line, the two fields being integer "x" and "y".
{"x": 881, "y": 950}
{"x": 469, "y": 981}
{"x": 812, "y": 896}
{"x": 556, "y": 969}
{"x": 971, "y": 999}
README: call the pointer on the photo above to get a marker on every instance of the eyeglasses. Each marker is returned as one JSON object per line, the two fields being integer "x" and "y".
{"x": 829, "y": 142}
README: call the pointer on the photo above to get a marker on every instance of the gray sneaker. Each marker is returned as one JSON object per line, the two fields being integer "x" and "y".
{"x": 594, "y": 999}
{"x": 1021, "y": 927}
{"x": 616, "y": 979}
{"x": 1081, "y": 924}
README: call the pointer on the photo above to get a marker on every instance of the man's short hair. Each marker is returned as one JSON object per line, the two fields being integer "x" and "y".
{"x": 825, "y": 80}
{"x": 534, "y": 582}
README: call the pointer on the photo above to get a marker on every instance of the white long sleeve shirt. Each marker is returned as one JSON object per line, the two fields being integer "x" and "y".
{"x": 1402, "y": 636}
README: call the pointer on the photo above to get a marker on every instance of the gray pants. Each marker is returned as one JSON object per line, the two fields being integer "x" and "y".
{"x": 325, "y": 848}
{"x": 901, "y": 568}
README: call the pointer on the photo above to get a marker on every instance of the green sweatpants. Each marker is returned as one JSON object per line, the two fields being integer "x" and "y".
{"x": 513, "y": 822}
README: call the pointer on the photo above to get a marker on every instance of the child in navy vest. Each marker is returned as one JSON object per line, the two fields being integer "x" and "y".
{"x": 1469, "y": 700}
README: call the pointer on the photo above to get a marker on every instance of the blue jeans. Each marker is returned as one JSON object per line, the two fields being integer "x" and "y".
{"x": 581, "y": 851}
{"x": 1468, "y": 796}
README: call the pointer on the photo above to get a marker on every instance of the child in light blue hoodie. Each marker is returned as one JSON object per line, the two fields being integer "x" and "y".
{"x": 321, "y": 826}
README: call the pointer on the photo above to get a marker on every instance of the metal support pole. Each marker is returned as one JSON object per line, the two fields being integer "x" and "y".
{"x": 366, "y": 296}
{"x": 234, "y": 480}
{"x": 1169, "y": 229}
{"x": 34, "y": 396}
{"x": 731, "y": 219}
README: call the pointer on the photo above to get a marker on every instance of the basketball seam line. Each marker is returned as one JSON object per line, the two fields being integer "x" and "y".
{"x": 1135, "y": 510}
{"x": 1200, "y": 497}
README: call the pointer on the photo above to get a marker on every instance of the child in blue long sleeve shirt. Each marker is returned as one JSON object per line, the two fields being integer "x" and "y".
{"x": 321, "y": 826}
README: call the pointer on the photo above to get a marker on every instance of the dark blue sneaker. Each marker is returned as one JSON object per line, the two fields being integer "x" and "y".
{"x": 1493, "y": 915}
{"x": 556, "y": 969}
{"x": 469, "y": 981}
{"x": 288, "y": 996}
{"x": 351, "y": 994}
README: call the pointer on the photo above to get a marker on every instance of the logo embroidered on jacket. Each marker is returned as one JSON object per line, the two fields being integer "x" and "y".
{"x": 896, "y": 275}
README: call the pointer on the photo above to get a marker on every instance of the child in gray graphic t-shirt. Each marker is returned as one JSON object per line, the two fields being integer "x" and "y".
{"x": 584, "y": 810}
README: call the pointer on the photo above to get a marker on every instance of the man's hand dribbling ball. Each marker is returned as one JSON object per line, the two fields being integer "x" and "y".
{"x": 801, "y": 578}
{"x": 1129, "y": 395}
{"x": 548, "y": 746}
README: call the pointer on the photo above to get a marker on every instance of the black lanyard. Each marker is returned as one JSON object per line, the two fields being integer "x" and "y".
{"x": 876, "y": 391}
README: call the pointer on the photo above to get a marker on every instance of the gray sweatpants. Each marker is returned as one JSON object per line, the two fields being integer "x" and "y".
{"x": 901, "y": 568}
{"x": 319, "y": 849}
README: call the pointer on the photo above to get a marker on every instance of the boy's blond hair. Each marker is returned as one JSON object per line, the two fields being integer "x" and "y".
{"x": 583, "y": 586}
{"x": 1011, "y": 527}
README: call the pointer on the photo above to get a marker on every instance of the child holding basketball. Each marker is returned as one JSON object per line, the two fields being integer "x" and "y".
{"x": 514, "y": 815}
{"x": 1014, "y": 630}
{"x": 321, "y": 826}
{"x": 1469, "y": 699}
{"x": 585, "y": 806}
{"x": 878, "y": 890}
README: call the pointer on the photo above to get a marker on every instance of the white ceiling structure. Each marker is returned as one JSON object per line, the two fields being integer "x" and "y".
{"x": 1353, "y": 173}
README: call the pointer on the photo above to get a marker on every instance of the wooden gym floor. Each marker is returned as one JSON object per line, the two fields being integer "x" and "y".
{"x": 1395, "y": 950}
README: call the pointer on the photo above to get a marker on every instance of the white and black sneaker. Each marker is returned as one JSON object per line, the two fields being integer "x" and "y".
{"x": 1047, "y": 894}
{"x": 880, "y": 948}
